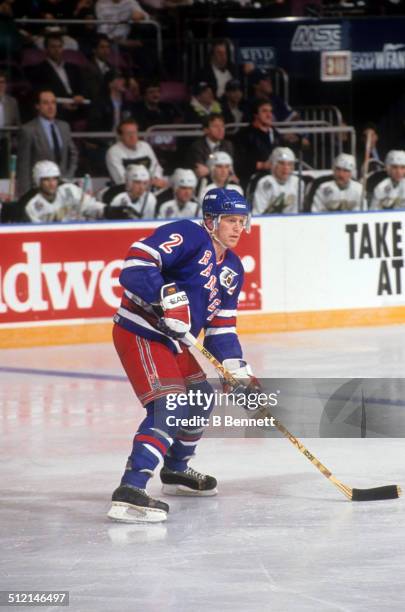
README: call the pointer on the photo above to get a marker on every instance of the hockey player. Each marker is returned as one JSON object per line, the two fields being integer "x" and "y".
{"x": 183, "y": 277}
{"x": 220, "y": 165}
{"x": 279, "y": 191}
{"x": 390, "y": 192}
{"x": 182, "y": 205}
{"x": 132, "y": 200}
{"x": 339, "y": 192}
{"x": 54, "y": 200}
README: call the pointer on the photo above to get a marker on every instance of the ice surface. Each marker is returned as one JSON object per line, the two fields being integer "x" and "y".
{"x": 279, "y": 537}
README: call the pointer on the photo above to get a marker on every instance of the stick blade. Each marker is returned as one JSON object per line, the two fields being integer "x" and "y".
{"x": 387, "y": 492}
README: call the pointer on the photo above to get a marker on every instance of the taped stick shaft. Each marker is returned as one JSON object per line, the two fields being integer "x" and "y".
{"x": 295, "y": 441}
{"x": 387, "y": 492}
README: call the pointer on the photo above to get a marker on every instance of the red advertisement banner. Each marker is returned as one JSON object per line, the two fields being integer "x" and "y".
{"x": 72, "y": 272}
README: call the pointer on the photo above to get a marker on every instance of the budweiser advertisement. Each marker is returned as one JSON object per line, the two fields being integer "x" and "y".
{"x": 70, "y": 272}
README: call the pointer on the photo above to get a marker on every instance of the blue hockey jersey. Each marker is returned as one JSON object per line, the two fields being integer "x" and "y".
{"x": 182, "y": 252}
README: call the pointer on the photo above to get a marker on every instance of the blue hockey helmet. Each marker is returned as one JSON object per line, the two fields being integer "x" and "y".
{"x": 221, "y": 201}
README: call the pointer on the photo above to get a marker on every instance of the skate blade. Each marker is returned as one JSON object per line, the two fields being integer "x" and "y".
{"x": 186, "y": 491}
{"x": 127, "y": 513}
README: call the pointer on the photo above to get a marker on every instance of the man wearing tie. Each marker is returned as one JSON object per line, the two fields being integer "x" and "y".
{"x": 45, "y": 138}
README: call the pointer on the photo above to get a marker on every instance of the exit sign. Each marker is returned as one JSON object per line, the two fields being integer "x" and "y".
{"x": 336, "y": 66}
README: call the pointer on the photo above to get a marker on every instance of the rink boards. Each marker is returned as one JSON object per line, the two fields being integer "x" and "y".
{"x": 59, "y": 284}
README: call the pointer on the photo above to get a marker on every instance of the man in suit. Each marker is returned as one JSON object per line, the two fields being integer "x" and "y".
{"x": 63, "y": 78}
{"x": 45, "y": 138}
{"x": 9, "y": 116}
{"x": 99, "y": 68}
{"x": 218, "y": 70}
{"x": 212, "y": 141}
{"x": 254, "y": 144}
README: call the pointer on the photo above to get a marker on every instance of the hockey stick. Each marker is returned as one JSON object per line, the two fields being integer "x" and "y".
{"x": 12, "y": 179}
{"x": 365, "y": 167}
{"x": 85, "y": 187}
{"x": 386, "y": 492}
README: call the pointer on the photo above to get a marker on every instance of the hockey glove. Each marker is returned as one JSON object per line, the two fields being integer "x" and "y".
{"x": 248, "y": 384}
{"x": 175, "y": 321}
{"x": 117, "y": 212}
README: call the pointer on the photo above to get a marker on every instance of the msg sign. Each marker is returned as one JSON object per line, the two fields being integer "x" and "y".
{"x": 317, "y": 38}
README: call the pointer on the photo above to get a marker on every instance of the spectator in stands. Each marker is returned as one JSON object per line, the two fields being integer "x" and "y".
{"x": 213, "y": 140}
{"x": 62, "y": 78}
{"x": 99, "y": 67}
{"x": 68, "y": 42}
{"x": 81, "y": 7}
{"x": 281, "y": 191}
{"x": 133, "y": 200}
{"x": 130, "y": 150}
{"x": 261, "y": 88}
{"x": 219, "y": 70}
{"x": 57, "y": 9}
{"x": 9, "y": 116}
{"x": 232, "y": 103}
{"x": 389, "y": 193}
{"x": 220, "y": 175}
{"x": 44, "y": 138}
{"x": 202, "y": 104}
{"x": 6, "y": 8}
{"x": 183, "y": 204}
{"x": 339, "y": 192}
{"x": 255, "y": 143}
{"x": 54, "y": 200}
{"x": 151, "y": 111}
{"x": 115, "y": 11}
{"x": 112, "y": 105}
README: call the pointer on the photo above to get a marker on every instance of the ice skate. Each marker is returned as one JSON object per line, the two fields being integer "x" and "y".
{"x": 189, "y": 482}
{"x": 133, "y": 505}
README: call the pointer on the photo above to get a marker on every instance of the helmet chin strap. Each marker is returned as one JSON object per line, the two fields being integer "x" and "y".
{"x": 216, "y": 221}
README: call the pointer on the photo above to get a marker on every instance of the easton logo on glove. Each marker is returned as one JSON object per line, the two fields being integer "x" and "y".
{"x": 176, "y": 312}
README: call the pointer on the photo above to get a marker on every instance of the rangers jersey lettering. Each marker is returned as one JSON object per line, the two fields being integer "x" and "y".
{"x": 273, "y": 197}
{"x": 388, "y": 195}
{"x": 183, "y": 253}
{"x": 330, "y": 197}
{"x": 69, "y": 204}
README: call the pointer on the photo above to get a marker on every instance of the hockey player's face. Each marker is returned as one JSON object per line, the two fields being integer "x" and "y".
{"x": 230, "y": 229}
{"x": 184, "y": 194}
{"x": 342, "y": 177}
{"x": 283, "y": 170}
{"x": 49, "y": 186}
{"x": 397, "y": 173}
{"x": 137, "y": 189}
{"x": 220, "y": 174}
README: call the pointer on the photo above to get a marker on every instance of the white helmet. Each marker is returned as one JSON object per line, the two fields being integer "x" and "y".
{"x": 184, "y": 178}
{"x": 282, "y": 154}
{"x": 45, "y": 169}
{"x": 136, "y": 172}
{"x": 219, "y": 158}
{"x": 395, "y": 158}
{"x": 344, "y": 161}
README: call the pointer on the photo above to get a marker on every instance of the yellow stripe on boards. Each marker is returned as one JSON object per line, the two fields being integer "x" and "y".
{"x": 261, "y": 323}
